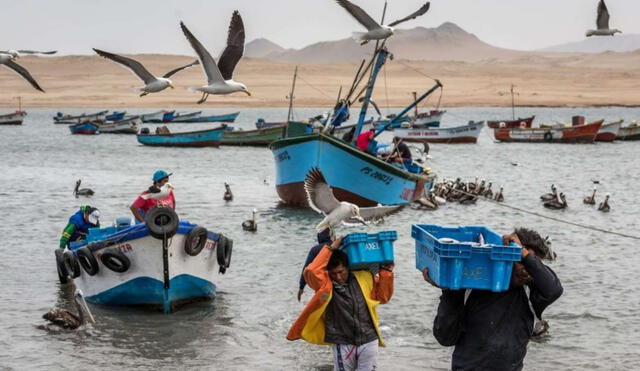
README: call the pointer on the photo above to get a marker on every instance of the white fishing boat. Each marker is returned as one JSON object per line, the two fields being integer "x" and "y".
{"x": 14, "y": 118}
{"x": 460, "y": 134}
{"x": 127, "y": 125}
{"x": 162, "y": 263}
{"x": 428, "y": 119}
{"x": 608, "y": 132}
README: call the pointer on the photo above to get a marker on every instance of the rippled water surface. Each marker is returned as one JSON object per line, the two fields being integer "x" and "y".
{"x": 594, "y": 325}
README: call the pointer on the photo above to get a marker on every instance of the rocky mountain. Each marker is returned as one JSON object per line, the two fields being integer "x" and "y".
{"x": 262, "y": 48}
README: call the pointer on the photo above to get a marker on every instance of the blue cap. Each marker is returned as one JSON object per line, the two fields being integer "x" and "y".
{"x": 160, "y": 174}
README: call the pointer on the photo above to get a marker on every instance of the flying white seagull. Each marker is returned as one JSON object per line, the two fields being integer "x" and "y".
{"x": 8, "y": 60}
{"x": 220, "y": 75}
{"x": 152, "y": 84}
{"x": 321, "y": 199}
{"x": 602, "y": 22}
{"x": 376, "y": 31}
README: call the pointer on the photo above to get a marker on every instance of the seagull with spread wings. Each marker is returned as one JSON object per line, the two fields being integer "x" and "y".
{"x": 321, "y": 199}
{"x": 602, "y": 22}
{"x": 376, "y": 31}
{"x": 152, "y": 84}
{"x": 220, "y": 76}
{"x": 7, "y": 59}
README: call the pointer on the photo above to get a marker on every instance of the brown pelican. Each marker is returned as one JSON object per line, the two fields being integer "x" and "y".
{"x": 63, "y": 319}
{"x": 499, "y": 196}
{"x": 488, "y": 192}
{"x": 427, "y": 202}
{"x": 602, "y": 22}
{"x": 82, "y": 191}
{"x": 604, "y": 205}
{"x": 591, "y": 200}
{"x": 558, "y": 203}
{"x": 550, "y": 196}
{"x": 228, "y": 196}
{"x": 251, "y": 225}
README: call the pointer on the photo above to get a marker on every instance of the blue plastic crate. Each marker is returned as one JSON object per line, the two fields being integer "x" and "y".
{"x": 366, "y": 249}
{"x": 457, "y": 259}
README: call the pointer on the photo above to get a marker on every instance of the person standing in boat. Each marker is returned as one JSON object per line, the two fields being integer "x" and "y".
{"x": 144, "y": 202}
{"x": 79, "y": 224}
{"x": 343, "y": 311}
{"x": 491, "y": 330}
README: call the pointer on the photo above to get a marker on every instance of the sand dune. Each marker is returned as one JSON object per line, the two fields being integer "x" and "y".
{"x": 541, "y": 79}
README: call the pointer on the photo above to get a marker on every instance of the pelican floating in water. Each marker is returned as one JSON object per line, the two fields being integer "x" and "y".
{"x": 228, "y": 196}
{"x": 7, "y": 59}
{"x": 602, "y": 22}
{"x": 63, "y": 319}
{"x": 251, "y": 225}
{"x": 220, "y": 75}
{"x": 158, "y": 193}
{"x": 499, "y": 196}
{"x": 558, "y": 203}
{"x": 591, "y": 200}
{"x": 152, "y": 84}
{"x": 550, "y": 196}
{"x": 321, "y": 199}
{"x": 604, "y": 205}
{"x": 77, "y": 191}
{"x": 376, "y": 31}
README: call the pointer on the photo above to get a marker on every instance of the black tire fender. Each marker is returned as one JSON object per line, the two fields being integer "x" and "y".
{"x": 62, "y": 270}
{"x": 88, "y": 261}
{"x": 548, "y": 136}
{"x": 224, "y": 250}
{"x": 161, "y": 222}
{"x": 71, "y": 264}
{"x": 195, "y": 240}
{"x": 115, "y": 260}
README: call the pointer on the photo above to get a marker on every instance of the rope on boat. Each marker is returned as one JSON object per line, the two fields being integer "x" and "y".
{"x": 585, "y": 226}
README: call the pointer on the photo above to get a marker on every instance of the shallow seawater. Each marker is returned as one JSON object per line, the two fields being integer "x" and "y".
{"x": 594, "y": 325}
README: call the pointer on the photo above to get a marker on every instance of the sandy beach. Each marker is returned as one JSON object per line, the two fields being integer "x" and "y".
{"x": 541, "y": 80}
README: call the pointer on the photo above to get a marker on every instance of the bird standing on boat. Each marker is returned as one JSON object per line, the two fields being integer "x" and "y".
{"x": 220, "y": 75}
{"x": 321, "y": 199}
{"x": 8, "y": 58}
{"x": 62, "y": 319}
{"x": 558, "y": 203}
{"x": 591, "y": 200}
{"x": 604, "y": 205}
{"x": 251, "y": 225}
{"x": 376, "y": 31}
{"x": 602, "y": 23}
{"x": 228, "y": 196}
{"x": 152, "y": 84}
{"x": 77, "y": 191}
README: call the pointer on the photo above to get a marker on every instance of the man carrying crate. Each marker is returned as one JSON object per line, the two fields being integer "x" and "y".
{"x": 342, "y": 312}
{"x": 491, "y": 330}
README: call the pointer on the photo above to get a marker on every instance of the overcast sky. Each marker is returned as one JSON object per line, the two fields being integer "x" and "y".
{"x": 152, "y": 26}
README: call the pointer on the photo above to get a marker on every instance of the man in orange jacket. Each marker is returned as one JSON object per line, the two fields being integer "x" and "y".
{"x": 343, "y": 311}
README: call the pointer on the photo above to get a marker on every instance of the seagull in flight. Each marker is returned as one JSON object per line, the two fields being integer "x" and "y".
{"x": 152, "y": 84}
{"x": 17, "y": 53}
{"x": 321, "y": 199}
{"x": 8, "y": 58}
{"x": 376, "y": 31}
{"x": 220, "y": 75}
{"x": 603, "y": 23}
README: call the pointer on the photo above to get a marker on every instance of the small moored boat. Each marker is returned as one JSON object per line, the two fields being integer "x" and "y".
{"x": 556, "y": 134}
{"x": 61, "y": 118}
{"x": 185, "y": 117}
{"x": 609, "y": 132}
{"x": 428, "y": 119}
{"x": 262, "y": 124}
{"x": 229, "y": 117}
{"x": 158, "y": 117}
{"x": 86, "y": 127}
{"x": 460, "y": 134}
{"x": 508, "y": 124}
{"x": 14, "y": 118}
{"x": 631, "y": 132}
{"x": 128, "y": 125}
{"x": 258, "y": 137}
{"x": 200, "y": 138}
{"x": 115, "y": 116}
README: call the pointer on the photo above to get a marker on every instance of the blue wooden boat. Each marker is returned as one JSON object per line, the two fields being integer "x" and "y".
{"x": 86, "y": 127}
{"x": 116, "y": 116}
{"x": 200, "y": 138}
{"x": 355, "y": 176}
{"x": 229, "y": 117}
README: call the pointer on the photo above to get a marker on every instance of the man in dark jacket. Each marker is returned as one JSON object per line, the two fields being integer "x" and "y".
{"x": 491, "y": 330}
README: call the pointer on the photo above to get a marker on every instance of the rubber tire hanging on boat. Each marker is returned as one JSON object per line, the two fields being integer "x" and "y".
{"x": 223, "y": 253}
{"x": 195, "y": 240}
{"x": 88, "y": 261}
{"x": 161, "y": 222}
{"x": 62, "y": 270}
{"x": 71, "y": 264}
{"x": 115, "y": 260}
{"x": 548, "y": 136}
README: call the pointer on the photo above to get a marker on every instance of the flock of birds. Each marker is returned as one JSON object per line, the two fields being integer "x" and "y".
{"x": 219, "y": 76}
{"x": 557, "y": 201}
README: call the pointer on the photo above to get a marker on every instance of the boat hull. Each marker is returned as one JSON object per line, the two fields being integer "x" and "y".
{"x": 460, "y": 134}
{"x": 428, "y": 119}
{"x": 574, "y": 134}
{"x": 15, "y": 118}
{"x": 87, "y": 128}
{"x": 629, "y": 133}
{"x": 509, "y": 124}
{"x": 370, "y": 181}
{"x": 259, "y": 137}
{"x": 231, "y": 117}
{"x": 189, "y": 278}
{"x": 608, "y": 132}
{"x": 201, "y": 138}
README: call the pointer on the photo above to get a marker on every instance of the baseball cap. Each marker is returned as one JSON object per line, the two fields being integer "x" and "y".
{"x": 160, "y": 174}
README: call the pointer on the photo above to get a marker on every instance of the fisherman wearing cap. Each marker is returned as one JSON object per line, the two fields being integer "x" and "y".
{"x": 147, "y": 199}
{"x": 79, "y": 224}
